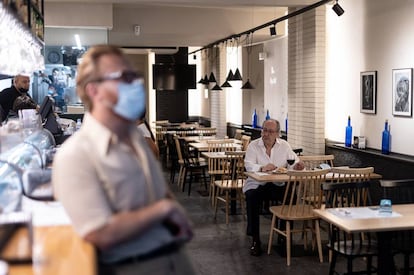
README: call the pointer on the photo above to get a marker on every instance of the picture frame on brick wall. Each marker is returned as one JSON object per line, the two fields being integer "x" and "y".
{"x": 402, "y": 92}
{"x": 369, "y": 92}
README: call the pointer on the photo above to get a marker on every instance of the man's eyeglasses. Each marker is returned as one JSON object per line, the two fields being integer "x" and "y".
{"x": 270, "y": 131}
{"x": 124, "y": 76}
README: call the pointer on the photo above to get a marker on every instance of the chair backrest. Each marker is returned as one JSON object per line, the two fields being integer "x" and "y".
{"x": 160, "y": 135}
{"x": 233, "y": 166}
{"x": 178, "y": 148}
{"x": 345, "y": 174}
{"x": 398, "y": 191}
{"x": 347, "y": 194}
{"x": 206, "y": 131}
{"x": 245, "y": 141}
{"x": 303, "y": 192}
{"x": 313, "y": 161}
{"x": 238, "y": 134}
{"x": 221, "y": 145}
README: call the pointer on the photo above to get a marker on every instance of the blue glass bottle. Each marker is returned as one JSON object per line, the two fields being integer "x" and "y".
{"x": 254, "y": 119}
{"x": 348, "y": 133}
{"x": 267, "y": 115}
{"x": 286, "y": 124}
{"x": 385, "y": 147}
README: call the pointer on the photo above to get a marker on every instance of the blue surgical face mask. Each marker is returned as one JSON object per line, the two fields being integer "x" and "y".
{"x": 131, "y": 100}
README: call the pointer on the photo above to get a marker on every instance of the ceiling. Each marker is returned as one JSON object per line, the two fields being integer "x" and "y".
{"x": 172, "y": 23}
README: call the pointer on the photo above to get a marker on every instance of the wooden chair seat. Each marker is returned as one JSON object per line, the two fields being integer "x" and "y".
{"x": 298, "y": 212}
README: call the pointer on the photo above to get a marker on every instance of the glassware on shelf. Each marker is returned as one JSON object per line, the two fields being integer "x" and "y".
{"x": 10, "y": 187}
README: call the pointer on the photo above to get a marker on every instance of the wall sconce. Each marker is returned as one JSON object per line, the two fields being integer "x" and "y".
{"x": 338, "y": 9}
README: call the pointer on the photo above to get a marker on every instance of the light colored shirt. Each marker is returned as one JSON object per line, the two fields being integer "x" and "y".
{"x": 95, "y": 175}
{"x": 142, "y": 128}
{"x": 256, "y": 157}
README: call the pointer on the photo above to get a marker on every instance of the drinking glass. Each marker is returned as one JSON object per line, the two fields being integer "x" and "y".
{"x": 290, "y": 160}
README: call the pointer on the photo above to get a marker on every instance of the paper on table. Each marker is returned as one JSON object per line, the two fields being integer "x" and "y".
{"x": 261, "y": 173}
{"x": 361, "y": 213}
{"x": 46, "y": 213}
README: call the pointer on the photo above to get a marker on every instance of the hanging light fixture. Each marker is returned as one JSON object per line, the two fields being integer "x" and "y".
{"x": 212, "y": 78}
{"x": 230, "y": 76}
{"x": 216, "y": 88}
{"x": 248, "y": 85}
{"x": 237, "y": 76}
{"x": 226, "y": 84}
{"x": 338, "y": 9}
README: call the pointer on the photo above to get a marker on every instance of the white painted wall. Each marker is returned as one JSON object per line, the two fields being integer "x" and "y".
{"x": 275, "y": 75}
{"x": 371, "y": 35}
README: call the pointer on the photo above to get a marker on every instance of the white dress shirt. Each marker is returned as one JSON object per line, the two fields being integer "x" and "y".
{"x": 256, "y": 157}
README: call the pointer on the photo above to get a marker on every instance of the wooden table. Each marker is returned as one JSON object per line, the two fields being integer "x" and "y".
{"x": 383, "y": 225}
{"x": 56, "y": 249}
{"x": 283, "y": 177}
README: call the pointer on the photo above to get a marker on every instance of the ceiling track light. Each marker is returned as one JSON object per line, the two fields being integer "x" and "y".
{"x": 237, "y": 76}
{"x": 212, "y": 78}
{"x": 273, "y": 30}
{"x": 226, "y": 84}
{"x": 338, "y": 9}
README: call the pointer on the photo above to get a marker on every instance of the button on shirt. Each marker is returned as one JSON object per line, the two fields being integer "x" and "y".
{"x": 95, "y": 175}
{"x": 256, "y": 157}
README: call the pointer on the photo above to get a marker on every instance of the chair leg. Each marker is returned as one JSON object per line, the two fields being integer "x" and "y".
{"x": 191, "y": 181}
{"x": 318, "y": 240}
{"x": 215, "y": 204}
{"x": 184, "y": 179}
{"x": 369, "y": 265}
{"x": 227, "y": 205}
{"x": 288, "y": 243}
{"x": 349, "y": 265}
{"x": 272, "y": 225}
{"x": 333, "y": 263}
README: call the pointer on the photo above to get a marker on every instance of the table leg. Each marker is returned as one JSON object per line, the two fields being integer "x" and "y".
{"x": 385, "y": 259}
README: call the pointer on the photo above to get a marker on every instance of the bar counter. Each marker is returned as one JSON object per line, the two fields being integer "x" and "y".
{"x": 56, "y": 248}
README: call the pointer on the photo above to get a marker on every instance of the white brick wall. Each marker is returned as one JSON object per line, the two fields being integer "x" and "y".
{"x": 306, "y": 81}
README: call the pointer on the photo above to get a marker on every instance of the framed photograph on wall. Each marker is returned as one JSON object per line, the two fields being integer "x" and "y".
{"x": 369, "y": 92}
{"x": 402, "y": 92}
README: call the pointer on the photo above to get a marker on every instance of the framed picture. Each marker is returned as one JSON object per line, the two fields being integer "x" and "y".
{"x": 369, "y": 92}
{"x": 402, "y": 92}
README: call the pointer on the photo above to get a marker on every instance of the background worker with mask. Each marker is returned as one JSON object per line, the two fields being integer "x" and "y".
{"x": 21, "y": 84}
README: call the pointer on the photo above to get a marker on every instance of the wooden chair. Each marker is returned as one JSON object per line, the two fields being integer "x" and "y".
{"x": 215, "y": 167}
{"x": 345, "y": 174}
{"x": 301, "y": 184}
{"x": 207, "y": 131}
{"x": 232, "y": 180}
{"x": 245, "y": 142}
{"x": 313, "y": 161}
{"x": 350, "y": 246}
{"x": 238, "y": 134}
{"x": 193, "y": 165}
{"x": 181, "y": 171}
{"x": 401, "y": 192}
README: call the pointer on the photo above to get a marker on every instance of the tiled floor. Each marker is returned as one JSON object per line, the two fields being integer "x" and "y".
{"x": 218, "y": 248}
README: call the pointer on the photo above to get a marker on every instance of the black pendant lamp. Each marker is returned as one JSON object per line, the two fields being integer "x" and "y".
{"x": 226, "y": 84}
{"x": 212, "y": 78}
{"x": 216, "y": 88}
{"x": 247, "y": 85}
{"x": 230, "y": 76}
{"x": 237, "y": 75}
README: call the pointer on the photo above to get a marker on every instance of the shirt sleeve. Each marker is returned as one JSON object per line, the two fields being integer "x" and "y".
{"x": 250, "y": 160}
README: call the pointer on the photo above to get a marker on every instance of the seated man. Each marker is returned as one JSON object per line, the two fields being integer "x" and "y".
{"x": 265, "y": 154}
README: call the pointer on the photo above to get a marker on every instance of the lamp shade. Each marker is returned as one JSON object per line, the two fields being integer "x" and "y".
{"x": 212, "y": 78}
{"x": 216, "y": 88}
{"x": 230, "y": 76}
{"x": 206, "y": 80}
{"x": 247, "y": 85}
{"x": 237, "y": 75}
{"x": 226, "y": 84}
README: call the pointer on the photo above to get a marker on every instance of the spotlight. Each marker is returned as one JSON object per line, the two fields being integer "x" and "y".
{"x": 273, "y": 30}
{"x": 338, "y": 9}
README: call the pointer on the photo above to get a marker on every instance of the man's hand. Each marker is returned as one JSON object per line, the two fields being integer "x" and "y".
{"x": 268, "y": 167}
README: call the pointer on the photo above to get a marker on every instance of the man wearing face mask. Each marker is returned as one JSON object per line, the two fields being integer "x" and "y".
{"x": 21, "y": 84}
{"x": 109, "y": 181}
